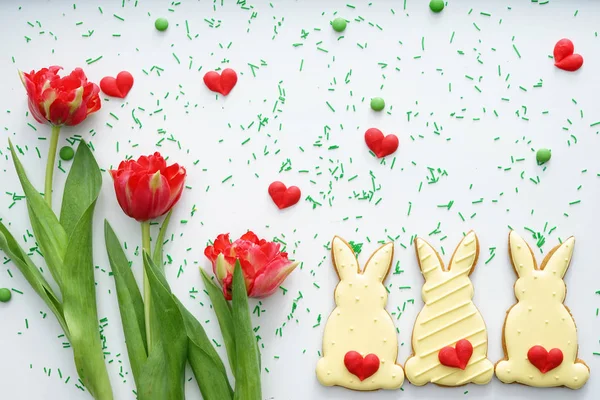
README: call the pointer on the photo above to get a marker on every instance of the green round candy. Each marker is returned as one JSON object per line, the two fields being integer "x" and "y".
{"x": 339, "y": 24}
{"x": 161, "y": 24}
{"x": 377, "y": 103}
{"x": 5, "y": 295}
{"x": 543, "y": 156}
{"x": 66, "y": 153}
{"x": 436, "y": 5}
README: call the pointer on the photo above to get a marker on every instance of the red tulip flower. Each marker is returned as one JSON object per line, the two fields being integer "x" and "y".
{"x": 264, "y": 266}
{"x": 60, "y": 101}
{"x": 148, "y": 188}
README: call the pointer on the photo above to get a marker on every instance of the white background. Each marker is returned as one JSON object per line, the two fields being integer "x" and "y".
{"x": 198, "y": 122}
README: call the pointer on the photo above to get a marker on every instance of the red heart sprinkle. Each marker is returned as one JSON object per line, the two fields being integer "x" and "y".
{"x": 283, "y": 196}
{"x": 544, "y": 360}
{"x": 564, "y": 57}
{"x": 457, "y": 357}
{"x": 221, "y": 83}
{"x": 117, "y": 87}
{"x": 381, "y": 145}
{"x": 359, "y": 366}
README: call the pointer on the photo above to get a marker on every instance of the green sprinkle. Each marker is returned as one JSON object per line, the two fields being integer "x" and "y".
{"x": 91, "y": 61}
{"x": 516, "y": 50}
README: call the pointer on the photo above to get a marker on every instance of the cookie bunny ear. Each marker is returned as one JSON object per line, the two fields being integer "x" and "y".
{"x": 380, "y": 262}
{"x": 558, "y": 260}
{"x": 521, "y": 255}
{"x": 466, "y": 254}
{"x": 344, "y": 260}
{"x": 429, "y": 260}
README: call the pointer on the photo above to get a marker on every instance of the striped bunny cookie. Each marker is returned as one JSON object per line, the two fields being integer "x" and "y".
{"x": 359, "y": 343}
{"x": 449, "y": 338}
{"x": 539, "y": 335}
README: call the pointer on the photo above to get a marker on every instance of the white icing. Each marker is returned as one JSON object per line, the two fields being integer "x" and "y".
{"x": 360, "y": 322}
{"x": 448, "y": 316}
{"x": 540, "y": 318}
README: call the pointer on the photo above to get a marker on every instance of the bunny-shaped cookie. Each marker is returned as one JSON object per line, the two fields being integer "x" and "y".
{"x": 539, "y": 335}
{"x": 449, "y": 338}
{"x": 359, "y": 344}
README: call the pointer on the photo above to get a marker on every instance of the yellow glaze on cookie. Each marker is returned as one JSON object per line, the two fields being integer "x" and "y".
{"x": 448, "y": 316}
{"x": 360, "y": 322}
{"x": 540, "y": 318}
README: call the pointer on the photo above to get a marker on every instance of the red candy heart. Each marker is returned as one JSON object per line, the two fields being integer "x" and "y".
{"x": 117, "y": 87}
{"x": 221, "y": 83}
{"x": 457, "y": 357}
{"x": 359, "y": 366}
{"x": 564, "y": 57}
{"x": 544, "y": 360}
{"x": 283, "y": 196}
{"x": 381, "y": 145}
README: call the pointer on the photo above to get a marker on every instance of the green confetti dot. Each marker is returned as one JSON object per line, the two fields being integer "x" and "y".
{"x": 161, "y": 24}
{"x": 543, "y": 156}
{"x": 66, "y": 153}
{"x": 5, "y": 295}
{"x": 436, "y": 5}
{"x": 339, "y": 24}
{"x": 377, "y": 103}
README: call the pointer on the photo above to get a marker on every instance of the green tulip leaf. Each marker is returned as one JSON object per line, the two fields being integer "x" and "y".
{"x": 70, "y": 260}
{"x": 206, "y": 364}
{"x": 166, "y": 361}
{"x": 81, "y": 188}
{"x": 50, "y": 235}
{"x": 157, "y": 257}
{"x": 35, "y": 278}
{"x": 79, "y": 285}
{"x": 79, "y": 305}
{"x": 153, "y": 380}
{"x": 224, "y": 316}
{"x": 131, "y": 305}
{"x": 247, "y": 384}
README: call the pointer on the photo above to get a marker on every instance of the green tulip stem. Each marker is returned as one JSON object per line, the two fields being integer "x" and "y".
{"x": 147, "y": 294}
{"x": 50, "y": 164}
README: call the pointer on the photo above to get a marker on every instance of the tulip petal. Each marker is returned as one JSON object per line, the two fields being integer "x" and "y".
{"x": 59, "y": 112}
{"x": 38, "y": 115}
{"x": 221, "y": 268}
{"x": 172, "y": 171}
{"x": 263, "y": 265}
{"x": 145, "y": 192}
{"x": 219, "y": 246}
{"x": 92, "y": 98}
{"x": 273, "y": 275}
{"x": 148, "y": 203}
{"x": 121, "y": 178}
{"x": 48, "y": 98}
{"x": 250, "y": 236}
{"x": 176, "y": 186}
{"x": 77, "y": 110}
{"x": 60, "y": 101}
{"x": 157, "y": 163}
